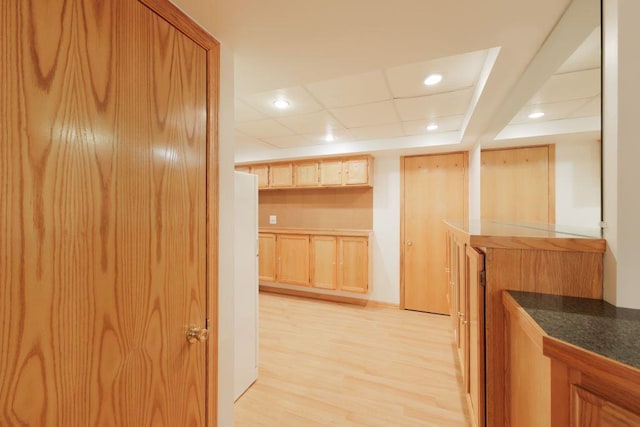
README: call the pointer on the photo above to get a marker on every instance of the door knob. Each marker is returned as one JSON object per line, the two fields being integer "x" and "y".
{"x": 195, "y": 335}
{"x": 409, "y": 243}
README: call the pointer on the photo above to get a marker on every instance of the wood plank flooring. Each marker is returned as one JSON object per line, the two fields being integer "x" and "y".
{"x": 330, "y": 364}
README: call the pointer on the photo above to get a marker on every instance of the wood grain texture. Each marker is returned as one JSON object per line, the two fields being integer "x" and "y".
{"x": 280, "y": 175}
{"x": 324, "y": 258}
{"x": 341, "y": 208}
{"x": 552, "y": 272}
{"x": 518, "y": 184}
{"x": 528, "y": 372}
{"x": 475, "y": 316}
{"x": 353, "y": 264}
{"x": 433, "y": 190}
{"x": 292, "y": 253}
{"x": 103, "y": 169}
{"x": 361, "y": 300}
{"x": 306, "y": 174}
{"x": 338, "y": 364}
{"x": 267, "y": 256}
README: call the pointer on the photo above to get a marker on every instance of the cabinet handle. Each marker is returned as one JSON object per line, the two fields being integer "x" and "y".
{"x": 409, "y": 243}
{"x": 461, "y": 315}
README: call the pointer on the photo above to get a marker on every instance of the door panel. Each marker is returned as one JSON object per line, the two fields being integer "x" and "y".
{"x": 354, "y": 266}
{"x": 433, "y": 191}
{"x": 267, "y": 257}
{"x": 103, "y": 216}
{"x": 293, "y": 259}
{"x": 518, "y": 185}
{"x": 324, "y": 253}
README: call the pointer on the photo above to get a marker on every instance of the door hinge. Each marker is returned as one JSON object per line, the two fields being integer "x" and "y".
{"x": 207, "y": 323}
{"x": 483, "y": 278}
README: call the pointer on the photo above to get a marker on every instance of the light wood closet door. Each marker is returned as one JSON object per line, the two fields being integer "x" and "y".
{"x": 433, "y": 190}
{"x": 518, "y": 185}
{"x": 105, "y": 125}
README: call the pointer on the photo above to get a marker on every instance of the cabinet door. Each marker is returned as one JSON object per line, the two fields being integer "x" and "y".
{"x": 353, "y": 271}
{"x": 331, "y": 172}
{"x": 475, "y": 312}
{"x": 307, "y": 174}
{"x": 324, "y": 254}
{"x": 463, "y": 310}
{"x": 589, "y": 410}
{"x": 263, "y": 175}
{"x": 293, "y": 259}
{"x": 281, "y": 175}
{"x": 356, "y": 172}
{"x": 267, "y": 257}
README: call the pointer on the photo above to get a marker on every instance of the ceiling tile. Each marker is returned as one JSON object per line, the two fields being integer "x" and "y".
{"x": 300, "y": 102}
{"x": 244, "y": 113}
{"x": 311, "y": 123}
{"x": 366, "y": 115}
{"x": 458, "y": 72}
{"x": 591, "y": 108}
{"x": 263, "y": 129}
{"x": 563, "y": 87}
{"x": 290, "y": 141}
{"x": 586, "y": 57}
{"x": 429, "y": 107}
{"x": 552, "y": 111}
{"x": 351, "y": 90}
{"x": 393, "y": 130}
{"x": 338, "y": 136}
{"x": 445, "y": 124}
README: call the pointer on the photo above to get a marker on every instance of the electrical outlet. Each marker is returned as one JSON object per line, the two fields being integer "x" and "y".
{"x": 273, "y": 219}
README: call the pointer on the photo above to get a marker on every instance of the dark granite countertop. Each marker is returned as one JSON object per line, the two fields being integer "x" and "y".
{"x": 592, "y": 324}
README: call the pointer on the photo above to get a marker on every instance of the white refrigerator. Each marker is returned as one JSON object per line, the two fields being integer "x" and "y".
{"x": 246, "y": 282}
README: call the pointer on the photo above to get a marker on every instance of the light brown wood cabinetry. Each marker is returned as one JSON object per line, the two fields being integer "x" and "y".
{"x": 281, "y": 175}
{"x": 330, "y": 172}
{"x": 267, "y": 256}
{"x": 591, "y": 410}
{"x": 263, "y": 174}
{"x": 515, "y": 258}
{"x": 330, "y": 260}
{"x": 353, "y": 271}
{"x": 324, "y": 255}
{"x": 293, "y": 259}
{"x": 306, "y": 174}
{"x": 311, "y": 173}
{"x": 245, "y": 169}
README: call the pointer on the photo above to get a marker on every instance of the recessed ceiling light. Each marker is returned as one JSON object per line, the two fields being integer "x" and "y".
{"x": 432, "y": 126}
{"x": 281, "y": 104}
{"x": 536, "y": 115}
{"x": 433, "y": 79}
{"x": 329, "y": 138}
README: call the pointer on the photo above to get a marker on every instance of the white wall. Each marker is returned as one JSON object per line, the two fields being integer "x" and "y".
{"x": 578, "y": 184}
{"x": 386, "y": 229}
{"x": 621, "y": 173}
{"x": 474, "y": 181}
{"x": 204, "y": 12}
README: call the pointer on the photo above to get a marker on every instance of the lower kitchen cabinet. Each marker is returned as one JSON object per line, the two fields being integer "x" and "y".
{"x": 324, "y": 255}
{"x": 353, "y": 271}
{"x": 332, "y": 261}
{"x": 267, "y": 256}
{"x": 293, "y": 259}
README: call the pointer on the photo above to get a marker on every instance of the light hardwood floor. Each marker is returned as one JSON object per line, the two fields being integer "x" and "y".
{"x": 323, "y": 363}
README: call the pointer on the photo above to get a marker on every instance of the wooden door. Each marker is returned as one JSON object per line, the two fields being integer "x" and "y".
{"x": 324, "y": 253}
{"x": 463, "y": 313}
{"x": 307, "y": 174}
{"x": 353, "y": 269}
{"x": 356, "y": 171}
{"x": 433, "y": 190}
{"x": 267, "y": 257}
{"x": 518, "y": 185}
{"x": 331, "y": 172}
{"x": 293, "y": 259}
{"x": 107, "y": 214}
{"x": 281, "y": 175}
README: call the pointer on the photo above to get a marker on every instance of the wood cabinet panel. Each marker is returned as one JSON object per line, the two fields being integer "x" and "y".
{"x": 267, "y": 257}
{"x": 353, "y": 270}
{"x": 245, "y": 169}
{"x": 324, "y": 255}
{"x": 330, "y": 172}
{"x": 356, "y": 171}
{"x": 306, "y": 174}
{"x": 293, "y": 259}
{"x": 591, "y": 410}
{"x": 475, "y": 316}
{"x": 263, "y": 175}
{"x": 281, "y": 175}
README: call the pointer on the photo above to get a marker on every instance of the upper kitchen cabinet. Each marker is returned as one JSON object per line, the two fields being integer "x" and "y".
{"x": 281, "y": 175}
{"x": 314, "y": 173}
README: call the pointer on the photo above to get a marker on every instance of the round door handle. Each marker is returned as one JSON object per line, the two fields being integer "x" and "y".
{"x": 409, "y": 243}
{"x": 195, "y": 335}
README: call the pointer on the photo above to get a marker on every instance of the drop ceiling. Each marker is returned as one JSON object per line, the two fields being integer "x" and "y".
{"x": 353, "y": 73}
